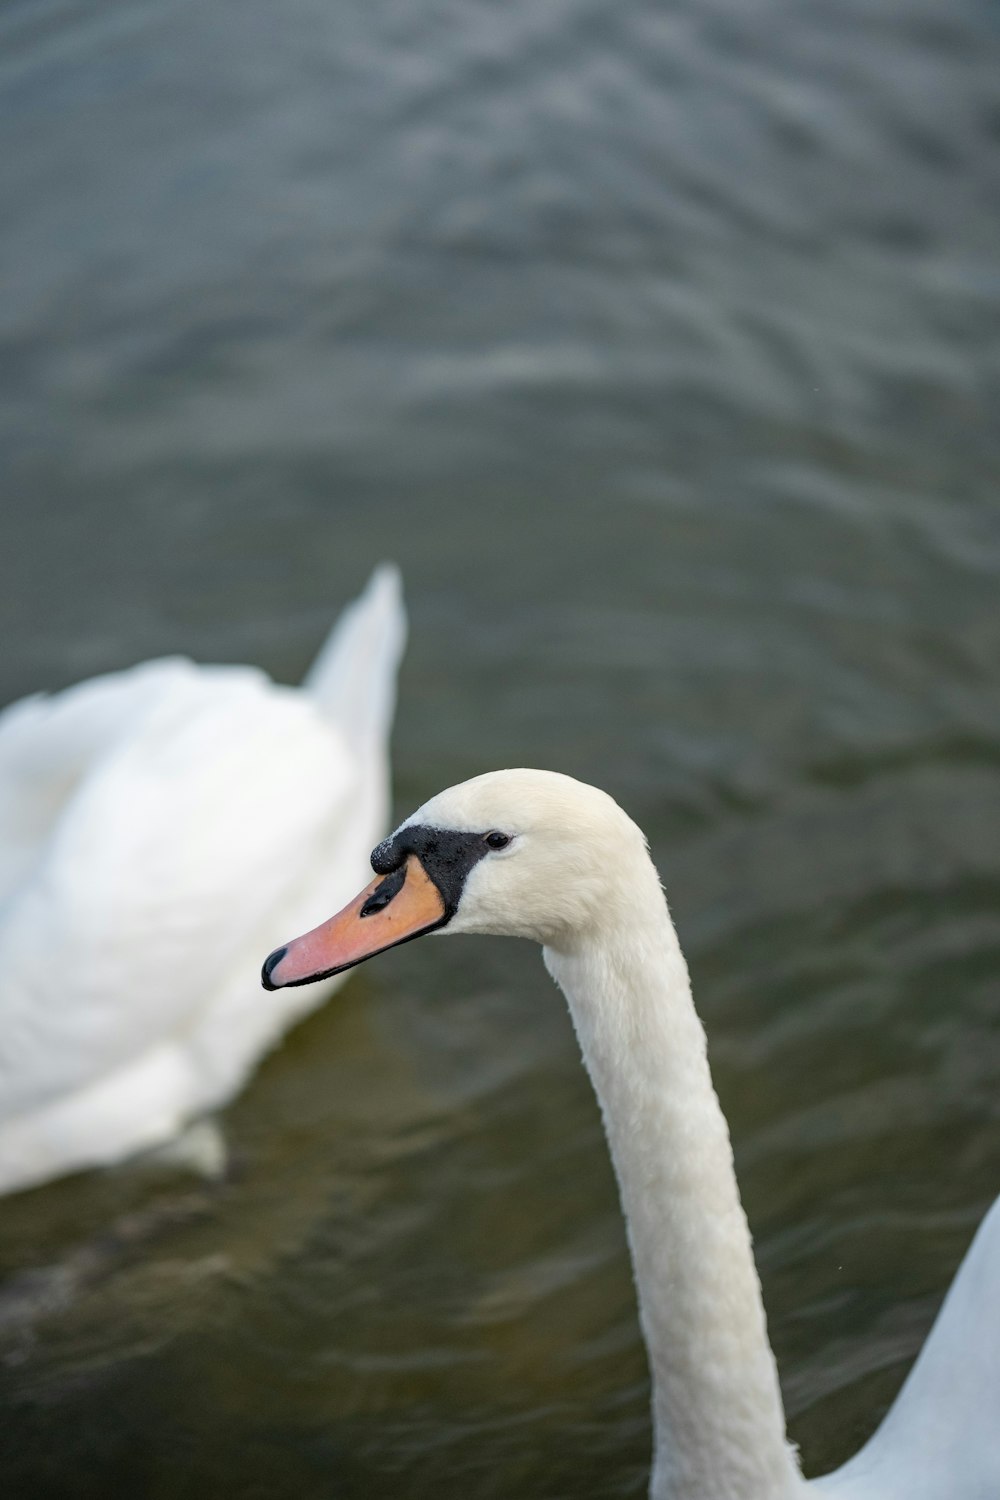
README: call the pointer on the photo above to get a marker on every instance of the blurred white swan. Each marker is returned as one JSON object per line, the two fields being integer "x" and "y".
{"x": 158, "y": 826}
{"x": 536, "y": 855}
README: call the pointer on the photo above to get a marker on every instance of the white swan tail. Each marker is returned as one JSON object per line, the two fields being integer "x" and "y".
{"x": 353, "y": 679}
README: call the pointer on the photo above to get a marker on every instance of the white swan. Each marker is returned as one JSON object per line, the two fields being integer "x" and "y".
{"x": 153, "y": 823}
{"x": 538, "y": 855}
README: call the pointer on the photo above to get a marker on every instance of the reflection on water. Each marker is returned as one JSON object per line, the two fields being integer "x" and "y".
{"x": 660, "y": 347}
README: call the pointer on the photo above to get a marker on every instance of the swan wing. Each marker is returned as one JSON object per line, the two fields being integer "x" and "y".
{"x": 941, "y": 1438}
{"x": 353, "y": 679}
{"x": 174, "y": 849}
{"x": 49, "y": 744}
{"x": 352, "y": 684}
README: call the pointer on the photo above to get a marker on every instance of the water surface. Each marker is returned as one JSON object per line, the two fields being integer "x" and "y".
{"x": 661, "y": 347}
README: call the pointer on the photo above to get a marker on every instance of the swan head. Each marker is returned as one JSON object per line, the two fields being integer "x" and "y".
{"x": 520, "y": 853}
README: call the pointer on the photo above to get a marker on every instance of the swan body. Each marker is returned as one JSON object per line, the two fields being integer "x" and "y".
{"x": 153, "y": 824}
{"x": 538, "y": 855}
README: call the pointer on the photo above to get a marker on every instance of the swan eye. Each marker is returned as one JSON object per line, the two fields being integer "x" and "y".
{"x": 496, "y": 840}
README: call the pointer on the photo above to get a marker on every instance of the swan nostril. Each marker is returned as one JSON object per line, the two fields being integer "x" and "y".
{"x": 384, "y": 893}
{"x": 271, "y": 962}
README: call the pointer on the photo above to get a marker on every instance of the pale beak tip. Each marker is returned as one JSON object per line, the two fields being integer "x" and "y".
{"x": 271, "y": 962}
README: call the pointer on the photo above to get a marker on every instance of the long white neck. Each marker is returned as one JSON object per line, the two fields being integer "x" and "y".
{"x": 719, "y": 1425}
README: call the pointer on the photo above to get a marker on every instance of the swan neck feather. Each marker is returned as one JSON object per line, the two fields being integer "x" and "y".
{"x": 719, "y": 1425}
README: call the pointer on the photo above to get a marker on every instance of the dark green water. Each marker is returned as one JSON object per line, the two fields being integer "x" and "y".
{"x": 660, "y": 345}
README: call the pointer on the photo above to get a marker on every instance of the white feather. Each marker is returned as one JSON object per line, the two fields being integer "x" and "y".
{"x": 577, "y": 878}
{"x": 160, "y": 827}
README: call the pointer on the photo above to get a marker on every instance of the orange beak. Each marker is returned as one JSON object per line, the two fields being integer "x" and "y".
{"x": 391, "y": 910}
